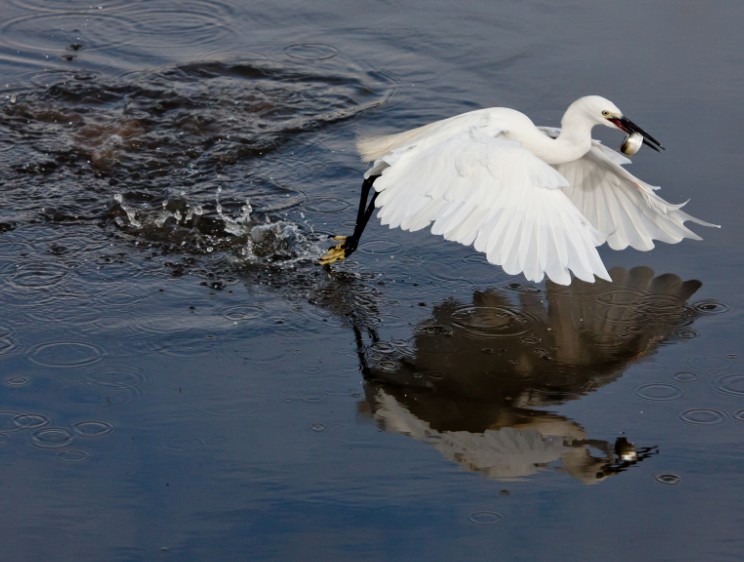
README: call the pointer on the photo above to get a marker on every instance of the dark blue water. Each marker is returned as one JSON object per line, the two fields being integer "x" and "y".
{"x": 181, "y": 381}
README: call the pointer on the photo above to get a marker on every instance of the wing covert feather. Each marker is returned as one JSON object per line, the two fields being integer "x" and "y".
{"x": 477, "y": 187}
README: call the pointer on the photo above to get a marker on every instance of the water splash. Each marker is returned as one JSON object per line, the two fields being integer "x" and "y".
{"x": 176, "y": 225}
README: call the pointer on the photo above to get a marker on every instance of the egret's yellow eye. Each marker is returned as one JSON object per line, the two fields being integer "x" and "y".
{"x": 605, "y": 113}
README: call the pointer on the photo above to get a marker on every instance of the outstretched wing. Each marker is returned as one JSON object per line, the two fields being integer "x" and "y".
{"x": 622, "y": 207}
{"x": 477, "y": 187}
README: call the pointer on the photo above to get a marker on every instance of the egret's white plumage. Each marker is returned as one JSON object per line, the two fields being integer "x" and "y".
{"x": 535, "y": 200}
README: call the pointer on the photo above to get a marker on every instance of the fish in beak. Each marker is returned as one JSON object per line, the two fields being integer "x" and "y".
{"x": 626, "y": 125}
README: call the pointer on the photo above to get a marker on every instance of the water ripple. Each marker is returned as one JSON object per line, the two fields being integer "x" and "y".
{"x": 622, "y": 298}
{"x": 37, "y": 275}
{"x": 67, "y": 33}
{"x": 311, "y": 51}
{"x": 702, "y": 416}
{"x": 16, "y": 380}
{"x": 7, "y": 346}
{"x": 30, "y": 421}
{"x": 328, "y": 205}
{"x": 668, "y": 478}
{"x": 52, "y": 437}
{"x": 124, "y": 375}
{"x": 685, "y": 376}
{"x": 485, "y": 517}
{"x": 187, "y": 345}
{"x": 80, "y": 6}
{"x": 101, "y": 394}
{"x": 73, "y": 455}
{"x": 92, "y": 428}
{"x": 490, "y": 321}
{"x": 710, "y": 365}
{"x": 197, "y": 23}
{"x": 66, "y": 354}
{"x": 381, "y": 247}
{"x": 658, "y": 391}
{"x": 241, "y": 312}
{"x": 710, "y": 307}
{"x": 731, "y": 384}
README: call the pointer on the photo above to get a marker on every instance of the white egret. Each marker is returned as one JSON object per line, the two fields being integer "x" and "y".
{"x": 535, "y": 200}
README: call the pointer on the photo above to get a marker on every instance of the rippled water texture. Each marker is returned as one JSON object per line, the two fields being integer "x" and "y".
{"x": 180, "y": 381}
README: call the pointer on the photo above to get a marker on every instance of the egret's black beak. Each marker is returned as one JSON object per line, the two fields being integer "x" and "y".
{"x": 628, "y": 126}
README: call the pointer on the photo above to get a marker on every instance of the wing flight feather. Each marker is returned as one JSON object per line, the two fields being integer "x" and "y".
{"x": 477, "y": 187}
{"x": 622, "y": 207}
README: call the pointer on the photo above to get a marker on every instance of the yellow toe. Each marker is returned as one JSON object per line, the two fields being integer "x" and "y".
{"x": 332, "y": 255}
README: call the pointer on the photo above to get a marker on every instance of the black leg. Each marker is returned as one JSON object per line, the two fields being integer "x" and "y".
{"x": 364, "y": 213}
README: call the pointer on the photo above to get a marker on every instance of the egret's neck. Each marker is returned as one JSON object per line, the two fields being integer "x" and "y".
{"x": 566, "y": 148}
{"x": 573, "y": 142}
{"x": 575, "y": 139}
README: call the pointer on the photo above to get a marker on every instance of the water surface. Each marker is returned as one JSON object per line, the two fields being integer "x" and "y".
{"x": 179, "y": 380}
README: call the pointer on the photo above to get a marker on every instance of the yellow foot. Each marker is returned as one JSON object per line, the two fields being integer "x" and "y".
{"x": 338, "y": 252}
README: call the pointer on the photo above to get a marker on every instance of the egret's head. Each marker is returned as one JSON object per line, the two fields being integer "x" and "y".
{"x": 603, "y": 112}
{"x": 597, "y": 109}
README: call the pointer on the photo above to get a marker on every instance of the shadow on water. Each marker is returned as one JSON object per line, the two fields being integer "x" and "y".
{"x": 476, "y": 378}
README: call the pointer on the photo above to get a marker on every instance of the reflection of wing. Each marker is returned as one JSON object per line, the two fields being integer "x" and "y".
{"x": 621, "y": 206}
{"x": 477, "y": 187}
{"x": 505, "y": 453}
{"x": 475, "y": 374}
{"x": 509, "y": 452}
{"x": 602, "y": 324}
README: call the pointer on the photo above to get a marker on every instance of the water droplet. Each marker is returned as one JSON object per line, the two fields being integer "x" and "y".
{"x": 658, "y": 391}
{"x": 702, "y": 416}
{"x": 16, "y": 380}
{"x": 711, "y": 307}
{"x": 317, "y": 427}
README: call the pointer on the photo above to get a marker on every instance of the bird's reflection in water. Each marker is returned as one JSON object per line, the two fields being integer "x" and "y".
{"x": 475, "y": 377}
